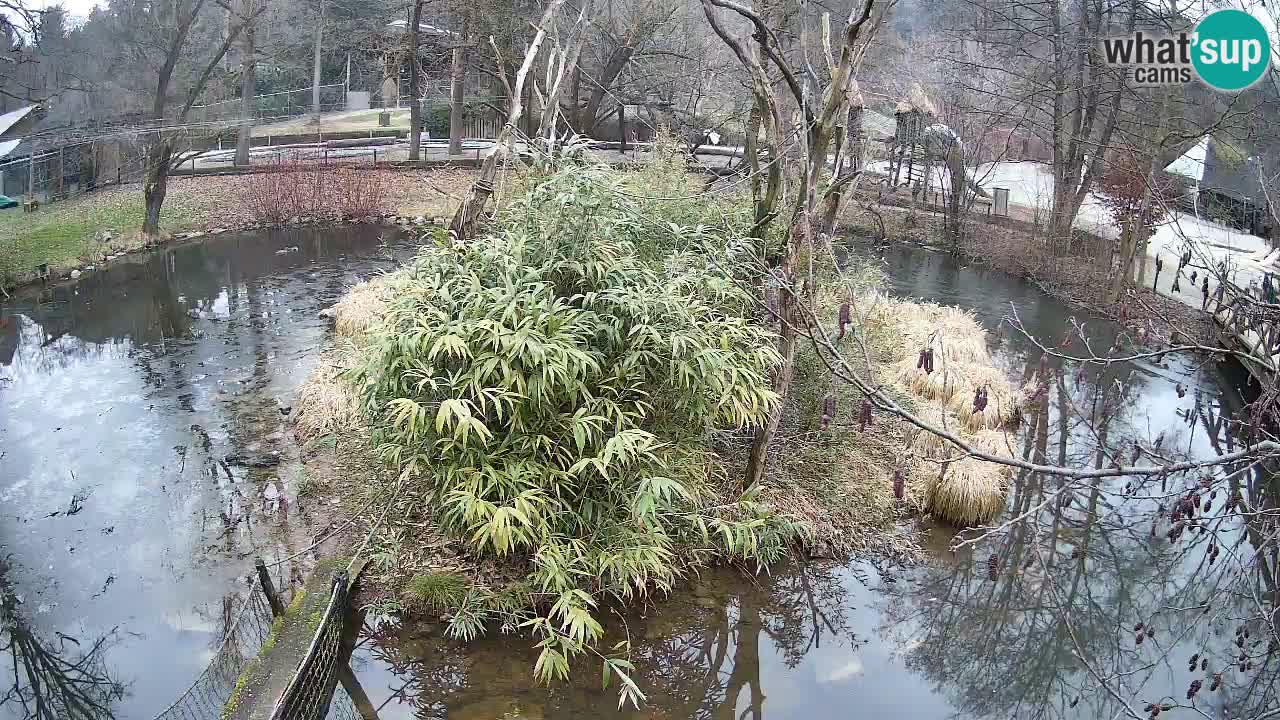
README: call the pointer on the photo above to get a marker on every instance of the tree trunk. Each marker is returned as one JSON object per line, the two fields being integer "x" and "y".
{"x": 457, "y": 84}
{"x": 613, "y": 67}
{"x": 575, "y": 98}
{"x": 155, "y": 187}
{"x": 160, "y": 152}
{"x": 758, "y": 460}
{"x": 415, "y": 108}
{"x": 1122, "y": 267}
{"x": 956, "y": 204}
{"x": 248, "y": 87}
{"x": 315, "y": 64}
{"x": 854, "y": 137}
{"x": 787, "y": 304}
{"x": 751, "y": 152}
{"x": 390, "y": 80}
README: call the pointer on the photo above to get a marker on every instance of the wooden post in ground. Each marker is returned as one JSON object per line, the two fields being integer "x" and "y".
{"x": 622, "y": 128}
{"x": 269, "y": 588}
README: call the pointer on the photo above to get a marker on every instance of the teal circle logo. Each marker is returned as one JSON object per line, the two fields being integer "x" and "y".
{"x": 1231, "y": 50}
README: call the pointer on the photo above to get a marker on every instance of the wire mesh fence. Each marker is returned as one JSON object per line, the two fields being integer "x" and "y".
{"x": 343, "y": 707}
{"x": 278, "y": 105}
{"x": 245, "y": 630}
{"x": 310, "y": 692}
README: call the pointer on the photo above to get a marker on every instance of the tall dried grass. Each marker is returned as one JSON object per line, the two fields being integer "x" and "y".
{"x": 1002, "y": 398}
{"x": 326, "y": 401}
{"x": 363, "y": 306}
{"x": 316, "y": 190}
{"x": 968, "y": 491}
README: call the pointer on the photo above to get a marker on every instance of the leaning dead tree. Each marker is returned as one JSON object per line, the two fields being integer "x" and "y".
{"x": 467, "y": 218}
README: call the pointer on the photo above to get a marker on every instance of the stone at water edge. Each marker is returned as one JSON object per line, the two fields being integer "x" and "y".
{"x": 75, "y": 274}
{"x": 259, "y": 460}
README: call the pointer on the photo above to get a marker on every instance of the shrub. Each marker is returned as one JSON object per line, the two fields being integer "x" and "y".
{"x": 554, "y": 394}
{"x": 1123, "y": 189}
{"x": 315, "y": 190}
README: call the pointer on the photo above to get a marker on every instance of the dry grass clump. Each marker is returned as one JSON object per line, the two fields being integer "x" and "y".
{"x": 925, "y": 444}
{"x": 968, "y": 491}
{"x": 939, "y": 386}
{"x": 954, "y": 334}
{"x": 1002, "y": 398}
{"x": 362, "y": 306}
{"x": 843, "y": 483}
{"x": 326, "y": 401}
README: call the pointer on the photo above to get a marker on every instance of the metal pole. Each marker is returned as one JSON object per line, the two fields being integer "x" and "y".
{"x": 268, "y": 588}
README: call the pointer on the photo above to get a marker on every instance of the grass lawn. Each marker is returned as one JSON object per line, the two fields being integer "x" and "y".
{"x": 336, "y": 122}
{"x": 64, "y": 234}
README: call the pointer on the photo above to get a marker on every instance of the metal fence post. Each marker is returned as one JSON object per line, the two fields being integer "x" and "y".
{"x": 268, "y": 588}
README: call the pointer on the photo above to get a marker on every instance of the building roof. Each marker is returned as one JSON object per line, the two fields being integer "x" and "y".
{"x": 9, "y": 119}
{"x": 1191, "y": 163}
{"x": 8, "y": 146}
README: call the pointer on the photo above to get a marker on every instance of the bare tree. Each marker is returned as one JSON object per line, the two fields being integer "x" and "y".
{"x": 457, "y": 89}
{"x": 161, "y": 36}
{"x": 819, "y": 115}
{"x": 466, "y": 219}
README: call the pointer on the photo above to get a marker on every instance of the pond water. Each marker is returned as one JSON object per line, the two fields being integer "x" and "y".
{"x": 950, "y": 638}
{"x": 121, "y": 396}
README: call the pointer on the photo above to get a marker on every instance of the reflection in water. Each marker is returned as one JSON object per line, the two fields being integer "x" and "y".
{"x": 124, "y": 400}
{"x": 1038, "y": 621}
{"x": 708, "y": 654}
{"x": 64, "y": 679}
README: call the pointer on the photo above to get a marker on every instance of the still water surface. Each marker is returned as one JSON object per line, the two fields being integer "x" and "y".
{"x": 120, "y": 397}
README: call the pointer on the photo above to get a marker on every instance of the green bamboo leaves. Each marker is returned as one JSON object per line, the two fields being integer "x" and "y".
{"x": 553, "y": 388}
